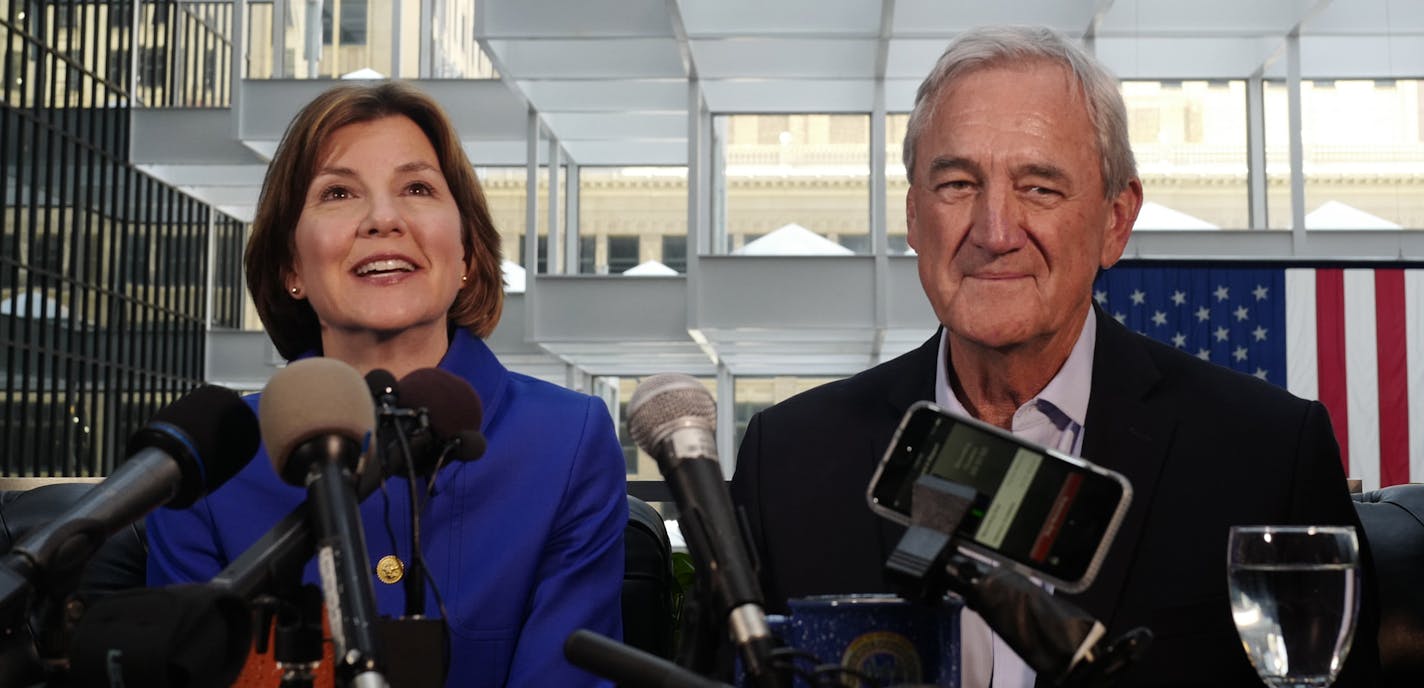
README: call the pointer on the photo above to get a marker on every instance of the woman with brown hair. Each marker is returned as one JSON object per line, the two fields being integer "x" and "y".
{"x": 372, "y": 244}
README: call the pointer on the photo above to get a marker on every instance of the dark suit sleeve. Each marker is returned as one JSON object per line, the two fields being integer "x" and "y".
{"x": 746, "y": 494}
{"x": 1320, "y": 496}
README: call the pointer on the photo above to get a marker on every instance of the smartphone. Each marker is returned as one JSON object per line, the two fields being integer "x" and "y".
{"x": 1047, "y": 514}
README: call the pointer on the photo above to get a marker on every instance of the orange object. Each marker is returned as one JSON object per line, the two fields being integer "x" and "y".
{"x": 261, "y": 671}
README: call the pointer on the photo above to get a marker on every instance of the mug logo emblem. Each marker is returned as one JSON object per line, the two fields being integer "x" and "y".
{"x": 884, "y": 655}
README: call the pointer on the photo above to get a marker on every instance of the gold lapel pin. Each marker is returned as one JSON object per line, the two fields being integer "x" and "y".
{"x": 390, "y": 569}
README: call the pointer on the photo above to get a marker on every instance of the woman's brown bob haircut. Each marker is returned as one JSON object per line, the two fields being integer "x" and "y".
{"x": 291, "y": 323}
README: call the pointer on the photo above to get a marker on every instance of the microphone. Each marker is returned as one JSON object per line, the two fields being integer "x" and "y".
{"x": 316, "y": 416}
{"x": 188, "y": 449}
{"x": 283, "y": 550}
{"x": 672, "y": 418}
{"x": 441, "y": 416}
{"x": 628, "y": 666}
{"x": 454, "y": 410}
{"x": 429, "y": 415}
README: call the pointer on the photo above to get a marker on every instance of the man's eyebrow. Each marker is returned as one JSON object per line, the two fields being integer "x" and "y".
{"x": 1042, "y": 170}
{"x": 941, "y": 164}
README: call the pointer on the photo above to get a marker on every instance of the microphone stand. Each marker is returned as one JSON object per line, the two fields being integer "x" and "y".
{"x": 298, "y": 643}
{"x": 413, "y": 631}
{"x": 350, "y": 598}
{"x": 1054, "y": 637}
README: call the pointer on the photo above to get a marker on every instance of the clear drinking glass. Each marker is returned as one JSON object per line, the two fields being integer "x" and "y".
{"x": 1295, "y": 593}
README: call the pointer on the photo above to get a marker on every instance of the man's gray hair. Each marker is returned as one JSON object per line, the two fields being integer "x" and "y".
{"x": 996, "y": 46}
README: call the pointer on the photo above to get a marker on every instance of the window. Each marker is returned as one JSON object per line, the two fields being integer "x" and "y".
{"x": 1189, "y": 138}
{"x": 118, "y": 69}
{"x": 183, "y": 260}
{"x": 625, "y": 439}
{"x": 899, "y": 244}
{"x": 543, "y": 266}
{"x": 210, "y": 69}
{"x": 622, "y": 253}
{"x": 1362, "y": 149}
{"x": 353, "y": 22}
{"x": 135, "y": 258}
{"x": 153, "y": 65}
{"x": 794, "y": 173}
{"x": 675, "y": 251}
{"x": 588, "y": 250}
{"x": 648, "y": 204}
{"x": 47, "y": 253}
{"x": 859, "y": 243}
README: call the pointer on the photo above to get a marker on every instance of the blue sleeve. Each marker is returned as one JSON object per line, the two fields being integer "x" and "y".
{"x": 182, "y": 545}
{"x": 580, "y": 577}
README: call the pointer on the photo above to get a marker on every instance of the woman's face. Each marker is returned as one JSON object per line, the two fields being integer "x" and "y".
{"x": 378, "y": 243}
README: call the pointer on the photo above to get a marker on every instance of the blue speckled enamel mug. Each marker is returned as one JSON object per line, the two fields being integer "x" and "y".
{"x": 897, "y": 643}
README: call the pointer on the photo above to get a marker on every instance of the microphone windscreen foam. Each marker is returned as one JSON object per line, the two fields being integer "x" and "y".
{"x": 310, "y": 398}
{"x": 666, "y": 402}
{"x": 381, "y": 383}
{"x": 210, "y": 432}
{"x": 451, "y": 404}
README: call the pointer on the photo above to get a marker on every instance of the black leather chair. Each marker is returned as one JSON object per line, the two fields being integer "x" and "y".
{"x": 1393, "y": 518}
{"x": 647, "y": 581}
{"x": 118, "y": 565}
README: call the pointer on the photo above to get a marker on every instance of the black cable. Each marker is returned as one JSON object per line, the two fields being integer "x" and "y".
{"x": 417, "y": 552}
{"x": 385, "y": 496}
{"x": 415, "y": 584}
{"x": 784, "y": 658}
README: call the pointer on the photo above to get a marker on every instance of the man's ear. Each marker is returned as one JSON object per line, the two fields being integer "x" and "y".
{"x": 1121, "y": 217}
{"x": 911, "y": 233}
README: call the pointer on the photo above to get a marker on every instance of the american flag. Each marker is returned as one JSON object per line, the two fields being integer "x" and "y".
{"x": 1351, "y": 337}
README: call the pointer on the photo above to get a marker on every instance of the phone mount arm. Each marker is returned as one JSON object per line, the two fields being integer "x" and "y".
{"x": 1054, "y": 637}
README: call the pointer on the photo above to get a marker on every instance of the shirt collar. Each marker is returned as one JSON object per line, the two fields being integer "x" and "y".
{"x": 1068, "y": 391}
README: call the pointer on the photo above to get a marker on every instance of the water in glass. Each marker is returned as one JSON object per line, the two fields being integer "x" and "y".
{"x": 1296, "y": 620}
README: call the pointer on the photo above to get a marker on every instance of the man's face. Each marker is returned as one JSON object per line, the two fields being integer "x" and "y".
{"x": 1007, "y": 210}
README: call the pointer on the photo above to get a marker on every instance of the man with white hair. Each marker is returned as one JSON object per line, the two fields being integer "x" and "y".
{"x": 1022, "y": 187}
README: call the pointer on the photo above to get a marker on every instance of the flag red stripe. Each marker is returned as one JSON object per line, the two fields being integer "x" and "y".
{"x": 1330, "y": 352}
{"x": 1391, "y": 341}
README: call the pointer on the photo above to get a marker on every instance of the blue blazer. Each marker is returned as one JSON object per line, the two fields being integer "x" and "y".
{"x": 525, "y": 544}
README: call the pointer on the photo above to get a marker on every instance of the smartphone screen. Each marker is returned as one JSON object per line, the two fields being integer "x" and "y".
{"x": 1049, "y": 514}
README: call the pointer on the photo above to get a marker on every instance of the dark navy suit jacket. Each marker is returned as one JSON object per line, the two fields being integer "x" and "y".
{"x": 1204, "y": 448}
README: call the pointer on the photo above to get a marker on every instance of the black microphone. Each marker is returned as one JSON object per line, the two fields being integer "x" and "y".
{"x": 431, "y": 415}
{"x": 424, "y": 419}
{"x": 672, "y": 417}
{"x": 454, "y": 411}
{"x": 317, "y": 415}
{"x": 627, "y": 666}
{"x": 188, "y": 449}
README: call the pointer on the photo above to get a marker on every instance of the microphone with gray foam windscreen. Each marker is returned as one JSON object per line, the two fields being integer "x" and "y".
{"x": 317, "y": 416}
{"x": 672, "y": 417}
